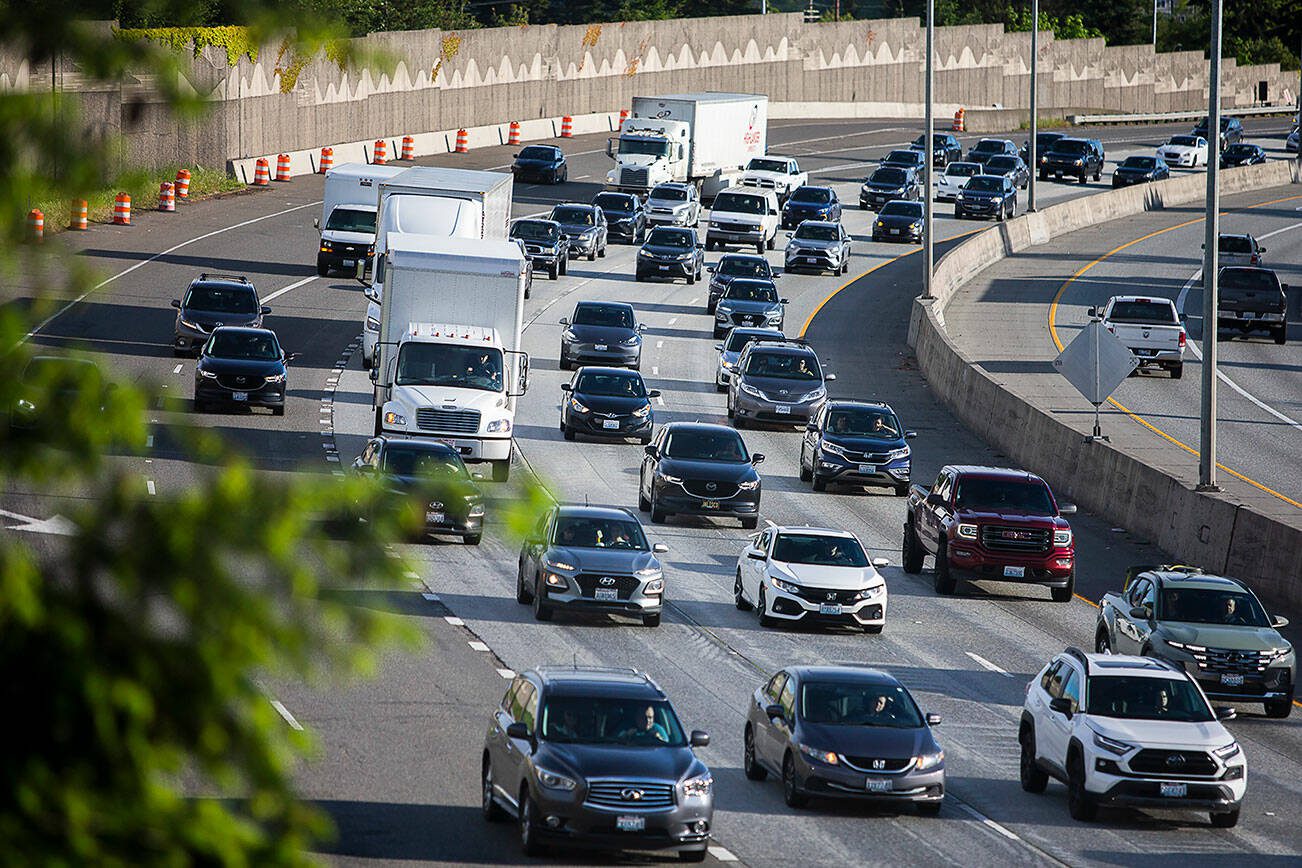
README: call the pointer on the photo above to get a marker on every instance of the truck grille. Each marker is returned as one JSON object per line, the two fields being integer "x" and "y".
{"x": 630, "y": 794}
{"x": 447, "y": 421}
{"x": 999, "y": 538}
{"x": 1172, "y": 763}
{"x": 762, "y": 183}
{"x": 634, "y": 177}
{"x": 709, "y": 489}
{"x": 589, "y": 582}
{"x": 739, "y": 227}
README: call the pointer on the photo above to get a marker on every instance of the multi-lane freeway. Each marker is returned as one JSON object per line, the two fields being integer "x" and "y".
{"x": 399, "y": 763}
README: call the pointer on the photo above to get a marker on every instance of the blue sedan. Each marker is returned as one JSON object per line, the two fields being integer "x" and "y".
{"x": 542, "y": 164}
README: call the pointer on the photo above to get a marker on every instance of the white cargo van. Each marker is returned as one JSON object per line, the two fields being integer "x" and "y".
{"x": 347, "y": 221}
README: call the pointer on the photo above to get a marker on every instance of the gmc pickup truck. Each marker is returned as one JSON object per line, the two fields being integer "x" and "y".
{"x": 1149, "y": 327}
{"x": 990, "y": 523}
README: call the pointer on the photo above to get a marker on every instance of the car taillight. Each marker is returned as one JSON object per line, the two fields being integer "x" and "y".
{"x": 1183, "y": 339}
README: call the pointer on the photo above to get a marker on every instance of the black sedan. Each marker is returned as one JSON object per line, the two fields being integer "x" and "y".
{"x": 1242, "y": 154}
{"x": 1140, "y": 170}
{"x": 886, "y": 184}
{"x": 542, "y": 164}
{"x": 843, "y": 732}
{"x": 544, "y": 244}
{"x": 732, "y": 266}
{"x": 899, "y": 221}
{"x": 671, "y": 252}
{"x": 433, "y": 475}
{"x": 696, "y": 468}
{"x": 945, "y": 148}
{"x": 607, "y": 402}
{"x": 987, "y": 196}
{"x": 1043, "y": 141}
{"x": 241, "y": 366}
{"x": 810, "y": 203}
{"x": 604, "y": 332}
{"x": 585, "y": 227}
{"x": 1010, "y": 167}
{"x": 625, "y": 216}
{"x": 907, "y": 159}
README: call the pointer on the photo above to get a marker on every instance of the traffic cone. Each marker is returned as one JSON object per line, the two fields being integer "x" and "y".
{"x": 513, "y": 136}
{"x": 282, "y": 168}
{"x": 166, "y": 197}
{"x": 262, "y": 173}
{"x": 35, "y": 225}
{"x": 381, "y": 151}
{"x": 623, "y": 116}
{"x": 567, "y": 127}
{"x": 463, "y": 141}
{"x": 408, "y": 148}
{"x": 960, "y": 118}
{"x": 182, "y": 185}
{"x": 327, "y": 159}
{"x": 79, "y": 220}
{"x": 122, "y": 210}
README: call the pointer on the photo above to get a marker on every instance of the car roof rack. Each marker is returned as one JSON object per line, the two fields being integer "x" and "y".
{"x": 238, "y": 278}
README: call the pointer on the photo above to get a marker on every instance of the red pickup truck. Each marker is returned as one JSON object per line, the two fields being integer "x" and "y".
{"x": 990, "y": 523}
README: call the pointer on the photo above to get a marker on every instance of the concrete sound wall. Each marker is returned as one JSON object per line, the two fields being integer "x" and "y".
{"x": 1221, "y": 533}
{"x": 443, "y": 80}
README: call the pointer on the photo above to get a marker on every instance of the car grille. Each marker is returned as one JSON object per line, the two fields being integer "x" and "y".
{"x": 636, "y": 177}
{"x": 869, "y": 763}
{"x": 738, "y": 227}
{"x": 702, "y": 488}
{"x": 589, "y": 582}
{"x": 615, "y": 794}
{"x": 749, "y": 319}
{"x": 999, "y": 538}
{"x": 449, "y": 421}
{"x": 867, "y": 457}
{"x": 1173, "y": 763}
{"x": 1223, "y": 660}
{"x": 827, "y": 595}
{"x": 242, "y": 383}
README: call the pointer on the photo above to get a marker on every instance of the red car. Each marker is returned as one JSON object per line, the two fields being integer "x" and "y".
{"x": 990, "y": 523}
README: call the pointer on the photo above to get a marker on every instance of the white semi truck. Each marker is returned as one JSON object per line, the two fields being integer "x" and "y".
{"x": 428, "y": 200}
{"x": 699, "y": 138}
{"x": 347, "y": 221}
{"x": 450, "y": 365}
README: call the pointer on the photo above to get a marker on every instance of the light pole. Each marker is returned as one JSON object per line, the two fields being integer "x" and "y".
{"x": 928, "y": 154}
{"x": 1155, "y": 25}
{"x": 1211, "y": 258}
{"x": 1032, "y": 158}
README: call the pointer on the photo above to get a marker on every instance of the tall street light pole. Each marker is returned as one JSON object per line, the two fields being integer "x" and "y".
{"x": 928, "y": 153}
{"x": 1211, "y": 260}
{"x": 1032, "y": 157}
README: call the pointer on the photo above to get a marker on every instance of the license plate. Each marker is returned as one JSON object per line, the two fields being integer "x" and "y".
{"x": 1174, "y": 791}
{"x": 895, "y": 232}
{"x": 601, "y": 348}
{"x": 239, "y": 396}
{"x": 1247, "y": 314}
{"x": 829, "y": 610}
{"x": 783, "y": 411}
{"x": 1015, "y": 572}
{"x": 605, "y": 594}
{"x": 349, "y": 263}
{"x": 664, "y": 268}
{"x": 1232, "y": 680}
{"x": 811, "y": 258}
{"x": 867, "y": 468}
{"x": 709, "y": 504}
{"x": 434, "y": 517}
{"x": 878, "y": 785}
{"x": 630, "y": 824}
{"x": 610, "y": 424}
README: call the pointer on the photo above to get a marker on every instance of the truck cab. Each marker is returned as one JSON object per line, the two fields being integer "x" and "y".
{"x": 779, "y": 174}
{"x": 648, "y": 152}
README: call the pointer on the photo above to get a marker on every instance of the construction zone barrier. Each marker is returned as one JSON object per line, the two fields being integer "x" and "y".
{"x": 122, "y": 210}
{"x": 327, "y": 160}
{"x": 80, "y": 217}
{"x": 381, "y": 153}
{"x": 623, "y": 116}
{"x": 261, "y": 173}
{"x": 567, "y": 127}
{"x": 408, "y": 148}
{"x": 513, "y": 133}
{"x": 166, "y": 197}
{"x": 960, "y": 121}
{"x": 182, "y": 184}
{"x": 282, "y": 168}
{"x": 35, "y": 225}
{"x": 463, "y": 142}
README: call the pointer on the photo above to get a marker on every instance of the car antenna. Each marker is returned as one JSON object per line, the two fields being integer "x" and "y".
{"x": 574, "y": 660}
{"x": 585, "y": 498}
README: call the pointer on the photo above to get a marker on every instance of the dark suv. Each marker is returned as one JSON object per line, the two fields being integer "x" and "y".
{"x": 695, "y": 468}
{"x": 856, "y": 443}
{"x": 214, "y": 300}
{"x": 1078, "y": 158}
{"x": 625, "y": 216}
{"x": 1231, "y": 131}
{"x": 1252, "y": 299}
{"x": 596, "y": 758}
{"x": 778, "y": 383}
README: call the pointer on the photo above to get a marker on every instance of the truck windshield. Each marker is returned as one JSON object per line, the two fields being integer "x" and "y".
{"x": 998, "y": 495}
{"x": 1145, "y": 312}
{"x": 344, "y": 219}
{"x": 651, "y": 147}
{"x": 628, "y": 722}
{"x": 1131, "y": 698}
{"x": 739, "y": 203}
{"x": 424, "y": 364}
{"x": 1206, "y": 606}
{"x": 759, "y": 164}
{"x": 819, "y": 550}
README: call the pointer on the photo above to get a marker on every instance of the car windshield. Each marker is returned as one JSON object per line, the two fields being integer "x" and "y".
{"x": 611, "y": 385}
{"x": 1070, "y": 146}
{"x": 738, "y": 339}
{"x": 614, "y": 202}
{"x": 590, "y": 532}
{"x": 649, "y": 147}
{"x": 751, "y": 290}
{"x": 1145, "y": 312}
{"x": 893, "y": 175}
{"x": 816, "y": 232}
{"x": 222, "y": 298}
{"x": 255, "y": 346}
{"x": 426, "y": 364}
{"x": 817, "y": 550}
{"x": 404, "y": 460}
{"x": 811, "y": 195}
{"x": 879, "y": 424}
{"x": 989, "y": 146}
{"x": 738, "y": 266}
{"x": 344, "y": 219}
{"x": 1234, "y": 244}
{"x": 669, "y": 194}
{"x": 1002, "y": 164}
{"x": 963, "y": 170}
{"x": 535, "y": 230}
{"x": 998, "y": 495}
{"x": 784, "y": 366}
{"x": 899, "y": 208}
{"x": 739, "y": 203}
{"x": 533, "y": 152}
{"x": 603, "y": 315}
{"x": 866, "y": 704}
{"x": 610, "y": 720}
{"x": 706, "y": 445}
{"x": 576, "y": 215}
{"x": 1131, "y": 698}
{"x": 1140, "y": 163}
{"x": 985, "y": 184}
{"x": 1183, "y": 140}
{"x": 1207, "y": 606}
{"x": 761, "y": 165}
{"x": 669, "y": 238}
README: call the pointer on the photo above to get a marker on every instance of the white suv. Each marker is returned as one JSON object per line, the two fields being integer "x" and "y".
{"x": 1122, "y": 730}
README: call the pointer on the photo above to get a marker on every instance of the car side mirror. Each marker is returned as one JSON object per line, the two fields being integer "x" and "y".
{"x": 372, "y": 294}
{"x": 811, "y": 426}
{"x": 1226, "y": 712}
{"x": 565, "y": 387}
{"x": 933, "y": 720}
{"x": 265, "y": 309}
{"x": 564, "y": 320}
{"x": 654, "y": 393}
{"x": 718, "y": 348}
{"x": 1067, "y": 509}
{"x": 292, "y": 357}
{"x": 518, "y": 730}
{"x": 641, "y": 326}
{"x": 935, "y": 499}
{"x": 1279, "y": 622}
{"x": 784, "y": 301}
{"x": 1261, "y": 250}
{"x": 652, "y": 450}
{"x": 1139, "y": 613}
{"x": 513, "y": 156}
{"x": 829, "y": 378}
{"x": 659, "y": 548}
{"x": 1062, "y": 705}
{"x": 700, "y": 245}
{"x": 316, "y": 222}
{"x": 176, "y": 303}
{"x": 711, "y": 269}
{"x": 790, "y": 234}
{"x": 755, "y": 554}
{"x": 777, "y": 272}
{"x": 910, "y": 435}
{"x": 774, "y": 710}
{"x": 1092, "y": 311}
{"x": 757, "y": 458}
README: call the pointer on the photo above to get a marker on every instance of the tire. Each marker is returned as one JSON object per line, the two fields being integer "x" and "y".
{"x": 790, "y": 786}
{"x": 845, "y": 267}
{"x": 367, "y": 364}
{"x": 657, "y": 516}
{"x": 1227, "y": 820}
{"x": 754, "y": 771}
{"x": 1102, "y": 645}
{"x": 1177, "y": 370}
{"x": 492, "y": 811}
{"x": 1033, "y": 778}
{"x": 278, "y": 411}
{"x": 378, "y": 424}
{"x": 529, "y": 845}
{"x": 602, "y": 251}
{"x": 691, "y": 278}
{"x": 565, "y": 264}
{"x": 473, "y": 539}
{"x": 1064, "y": 595}
{"x": 645, "y": 441}
{"x": 911, "y": 553}
{"x": 1281, "y": 335}
{"x": 554, "y": 272}
{"x": 819, "y": 482}
{"x": 541, "y": 611}
{"x": 1080, "y": 804}
{"x": 773, "y": 240}
{"x": 739, "y": 600}
{"x": 902, "y": 490}
{"x": 566, "y": 364}
{"x": 1279, "y": 708}
{"x": 929, "y": 809}
{"x": 322, "y": 269}
{"x": 719, "y": 388}
{"x": 759, "y": 248}
{"x": 651, "y": 620}
{"x": 945, "y": 581}
{"x": 750, "y": 522}
{"x": 1082, "y": 179}
{"x": 592, "y": 257}
{"x": 643, "y": 504}
{"x": 501, "y": 470}
{"x": 738, "y": 422}
{"x": 806, "y": 474}
{"x": 761, "y": 609}
{"x": 638, "y": 278}
{"x": 567, "y": 431}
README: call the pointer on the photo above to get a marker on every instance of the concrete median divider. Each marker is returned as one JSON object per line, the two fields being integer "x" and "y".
{"x": 1217, "y": 532}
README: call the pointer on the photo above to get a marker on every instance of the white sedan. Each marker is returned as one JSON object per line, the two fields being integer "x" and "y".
{"x": 811, "y": 575}
{"x": 1184, "y": 151}
{"x": 952, "y": 181}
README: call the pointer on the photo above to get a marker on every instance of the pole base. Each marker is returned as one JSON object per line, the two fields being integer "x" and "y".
{"x": 1208, "y": 486}
{"x": 1098, "y": 438}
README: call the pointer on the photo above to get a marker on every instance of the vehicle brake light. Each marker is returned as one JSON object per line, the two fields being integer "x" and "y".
{"x": 1183, "y": 338}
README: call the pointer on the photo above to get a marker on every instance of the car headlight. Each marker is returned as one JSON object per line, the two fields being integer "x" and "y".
{"x": 558, "y": 565}
{"x": 553, "y": 780}
{"x": 1111, "y": 745}
{"x": 394, "y": 418}
{"x": 967, "y": 531}
{"x": 823, "y": 756}
{"x": 896, "y": 454}
{"x": 833, "y": 448}
{"x": 275, "y": 378}
{"x": 818, "y": 393}
{"x": 752, "y": 391}
{"x": 665, "y": 477}
{"x": 925, "y": 761}
{"x": 643, "y": 411}
{"x": 880, "y": 224}
{"x": 190, "y": 325}
{"x": 714, "y": 224}
{"x": 1230, "y": 750}
{"x": 647, "y": 572}
{"x": 869, "y": 593}
{"x": 476, "y": 510}
{"x": 656, "y": 586}
{"x": 1185, "y": 646}
{"x": 1077, "y": 162}
{"x": 917, "y": 224}
{"x": 788, "y": 587}
{"x": 959, "y": 196}
{"x": 682, "y": 257}
{"x": 25, "y": 405}
{"x": 644, "y": 254}
{"x": 326, "y": 246}
{"x": 698, "y": 787}
{"x": 631, "y": 342}
{"x": 569, "y": 335}
{"x": 207, "y": 375}
{"x": 372, "y": 324}
{"x": 725, "y": 364}
{"x": 749, "y": 485}
{"x": 1062, "y": 537}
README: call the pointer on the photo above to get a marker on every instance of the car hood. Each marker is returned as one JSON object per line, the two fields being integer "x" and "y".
{"x": 539, "y": 242}
{"x": 611, "y": 403}
{"x": 617, "y": 761}
{"x": 589, "y": 334}
{"x": 1011, "y": 517}
{"x": 883, "y": 186}
{"x": 863, "y": 444}
{"x": 806, "y": 206}
{"x": 576, "y": 228}
{"x": 753, "y": 307}
{"x": 815, "y": 576}
{"x": 1220, "y": 636}
{"x": 1180, "y": 149}
{"x": 664, "y": 251}
{"x": 451, "y": 397}
{"x": 812, "y": 244}
{"x": 246, "y": 367}
{"x": 343, "y": 237}
{"x": 953, "y": 180}
{"x": 898, "y": 219}
{"x": 603, "y": 560}
{"x": 667, "y": 204}
{"x": 882, "y": 742}
{"x": 719, "y": 471}
{"x": 1162, "y": 733}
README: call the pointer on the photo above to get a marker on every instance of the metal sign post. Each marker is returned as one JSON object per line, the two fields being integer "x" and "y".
{"x": 1095, "y": 363}
{"x": 1032, "y": 157}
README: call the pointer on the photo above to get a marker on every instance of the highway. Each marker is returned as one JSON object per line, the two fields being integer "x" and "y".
{"x": 398, "y": 766}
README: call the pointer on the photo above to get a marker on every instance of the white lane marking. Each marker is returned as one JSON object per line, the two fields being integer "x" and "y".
{"x": 431, "y": 598}
{"x": 142, "y": 263}
{"x": 986, "y": 821}
{"x": 655, "y": 371}
{"x": 476, "y": 645}
{"x": 454, "y": 621}
{"x": 149, "y": 441}
{"x": 55, "y": 524}
{"x": 694, "y": 299}
{"x": 506, "y": 673}
{"x": 284, "y": 712}
{"x": 988, "y": 665}
{"x": 660, "y": 400}
{"x": 177, "y": 369}
{"x": 149, "y": 486}
{"x": 673, "y": 319}
{"x": 660, "y": 344}
{"x": 723, "y": 854}
{"x": 278, "y": 293}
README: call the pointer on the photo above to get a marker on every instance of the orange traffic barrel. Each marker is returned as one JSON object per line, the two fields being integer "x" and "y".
{"x": 122, "y": 210}
{"x": 261, "y": 173}
{"x": 408, "y": 148}
{"x": 282, "y": 168}
{"x": 463, "y": 141}
{"x": 166, "y": 197}
{"x": 182, "y": 185}
{"x": 567, "y": 127}
{"x": 35, "y": 225}
{"x": 80, "y": 220}
{"x": 513, "y": 135}
{"x": 327, "y": 159}
{"x": 381, "y": 152}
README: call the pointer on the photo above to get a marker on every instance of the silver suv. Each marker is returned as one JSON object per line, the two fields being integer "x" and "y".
{"x": 673, "y": 205}
{"x": 777, "y": 382}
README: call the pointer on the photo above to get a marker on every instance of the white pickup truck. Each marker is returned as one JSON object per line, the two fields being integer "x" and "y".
{"x": 779, "y": 174}
{"x": 1149, "y": 327}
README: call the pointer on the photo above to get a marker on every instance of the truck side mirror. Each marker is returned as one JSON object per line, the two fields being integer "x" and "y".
{"x": 1067, "y": 509}
{"x": 610, "y": 148}
{"x": 316, "y": 222}
{"x": 1092, "y": 311}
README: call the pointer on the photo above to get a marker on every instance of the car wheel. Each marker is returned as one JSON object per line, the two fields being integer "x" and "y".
{"x": 602, "y": 251}
{"x": 806, "y": 473}
{"x": 322, "y": 269}
{"x": 1080, "y": 804}
{"x": 1034, "y": 779}
{"x": 790, "y": 786}
{"x": 278, "y": 411}
{"x": 845, "y": 267}
{"x": 819, "y": 481}
{"x": 762, "y": 610}
{"x": 473, "y": 539}
{"x": 911, "y": 552}
{"x": 902, "y": 490}
{"x": 592, "y": 257}
{"x": 945, "y": 581}
{"x": 642, "y": 503}
{"x": 691, "y": 278}
{"x": 638, "y": 278}
{"x": 738, "y": 422}
{"x": 1281, "y": 335}
{"x": 739, "y": 598}
{"x": 541, "y": 611}
{"x": 567, "y": 431}
{"x": 759, "y": 248}
{"x": 749, "y": 764}
{"x": 501, "y": 470}
{"x": 773, "y": 240}
{"x": 651, "y": 620}
{"x": 1226, "y": 820}
{"x": 493, "y": 812}
{"x": 1102, "y": 645}
{"x": 1064, "y": 594}
{"x": 554, "y": 272}
{"x": 1279, "y": 708}
{"x": 1177, "y": 370}
{"x": 528, "y": 840}
{"x": 565, "y": 264}
{"x": 200, "y": 407}
{"x": 566, "y": 364}
{"x": 657, "y": 516}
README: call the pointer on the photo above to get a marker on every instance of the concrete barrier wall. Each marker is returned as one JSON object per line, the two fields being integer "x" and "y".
{"x": 444, "y": 80}
{"x": 1218, "y": 532}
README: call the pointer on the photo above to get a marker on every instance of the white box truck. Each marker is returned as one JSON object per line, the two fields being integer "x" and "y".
{"x": 347, "y": 221}
{"x": 699, "y": 138}
{"x": 430, "y": 200}
{"x": 450, "y": 365}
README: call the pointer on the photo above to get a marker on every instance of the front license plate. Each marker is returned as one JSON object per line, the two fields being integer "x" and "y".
{"x": 239, "y": 396}
{"x": 1232, "y": 680}
{"x": 1015, "y": 572}
{"x": 1174, "y": 791}
{"x": 877, "y": 785}
{"x": 601, "y": 348}
{"x": 895, "y": 232}
{"x": 709, "y": 504}
{"x": 605, "y": 594}
{"x": 664, "y": 268}
{"x": 867, "y": 468}
{"x": 811, "y": 258}
{"x": 610, "y": 424}
{"x": 630, "y": 824}
{"x": 434, "y": 517}
{"x": 1247, "y": 314}
{"x": 350, "y": 263}
{"x": 829, "y": 610}
{"x": 783, "y": 411}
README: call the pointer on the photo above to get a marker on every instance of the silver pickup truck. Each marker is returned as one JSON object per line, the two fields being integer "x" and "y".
{"x": 1149, "y": 327}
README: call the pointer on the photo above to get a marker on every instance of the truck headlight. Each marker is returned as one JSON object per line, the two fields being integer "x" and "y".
{"x": 967, "y": 531}
{"x": 502, "y": 426}
{"x": 1062, "y": 537}
{"x": 372, "y": 324}
{"x": 1230, "y": 750}
{"x": 326, "y": 246}
{"x": 394, "y": 418}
